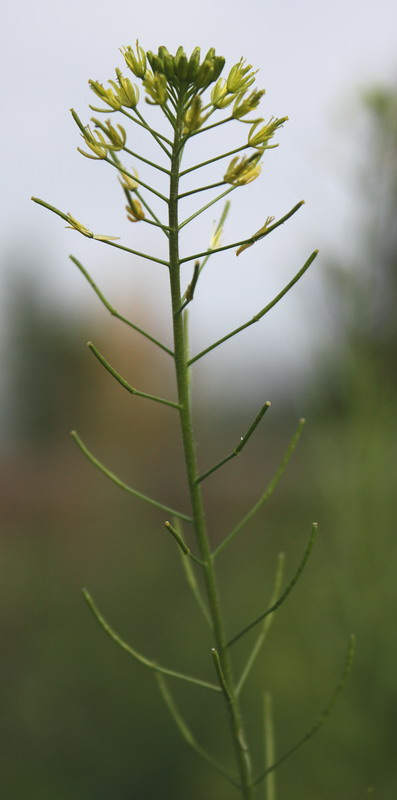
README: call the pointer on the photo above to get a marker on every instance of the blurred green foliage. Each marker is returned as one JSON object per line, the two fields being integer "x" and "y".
{"x": 81, "y": 720}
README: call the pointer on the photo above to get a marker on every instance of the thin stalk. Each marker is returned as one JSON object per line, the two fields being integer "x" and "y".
{"x": 115, "y": 479}
{"x": 101, "y": 239}
{"x": 159, "y": 138}
{"x": 182, "y": 379}
{"x": 216, "y": 158}
{"x": 261, "y": 313}
{"x": 114, "y": 311}
{"x": 124, "y": 383}
{"x": 200, "y": 211}
{"x": 252, "y": 239}
{"x": 201, "y": 189}
{"x": 209, "y": 127}
{"x": 137, "y": 180}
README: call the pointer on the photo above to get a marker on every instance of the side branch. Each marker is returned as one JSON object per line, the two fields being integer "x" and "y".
{"x": 287, "y": 590}
{"x": 243, "y": 441}
{"x": 124, "y": 383}
{"x": 138, "y": 180}
{"x": 114, "y": 312}
{"x": 265, "y": 626}
{"x": 323, "y": 716}
{"x": 252, "y": 239}
{"x": 138, "y": 656}
{"x": 261, "y": 313}
{"x": 186, "y": 732}
{"x": 268, "y": 491}
{"x": 200, "y": 211}
{"x": 90, "y": 235}
{"x": 123, "y": 485}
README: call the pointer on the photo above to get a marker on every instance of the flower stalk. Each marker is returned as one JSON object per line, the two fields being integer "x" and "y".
{"x": 174, "y": 85}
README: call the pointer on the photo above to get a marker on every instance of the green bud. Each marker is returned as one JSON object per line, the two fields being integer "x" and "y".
{"x": 219, "y": 63}
{"x": 194, "y": 63}
{"x": 163, "y": 52}
{"x": 155, "y": 62}
{"x": 169, "y": 67}
{"x": 204, "y": 75}
{"x": 182, "y": 67}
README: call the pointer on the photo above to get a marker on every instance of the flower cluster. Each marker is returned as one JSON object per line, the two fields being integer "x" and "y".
{"x": 176, "y": 84}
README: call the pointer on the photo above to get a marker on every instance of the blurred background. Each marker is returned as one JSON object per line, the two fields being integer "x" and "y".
{"x": 79, "y": 718}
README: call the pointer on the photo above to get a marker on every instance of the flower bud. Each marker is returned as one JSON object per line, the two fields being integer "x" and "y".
{"x": 169, "y": 67}
{"x": 194, "y": 64}
{"x": 204, "y": 74}
{"x": 155, "y": 62}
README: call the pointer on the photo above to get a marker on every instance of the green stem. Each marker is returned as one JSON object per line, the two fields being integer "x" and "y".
{"x": 200, "y": 211}
{"x": 114, "y": 311}
{"x": 124, "y": 383}
{"x": 182, "y": 379}
{"x": 261, "y": 313}
{"x": 216, "y": 158}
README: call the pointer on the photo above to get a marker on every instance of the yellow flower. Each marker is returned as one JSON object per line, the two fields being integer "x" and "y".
{"x": 240, "y": 77}
{"x": 256, "y": 235}
{"x": 97, "y": 145}
{"x": 107, "y": 95}
{"x": 156, "y": 87}
{"x": 245, "y": 106}
{"x": 136, "y": 63}
{"x": 193, "y": 119}
{"x": 127, "y": 93}
{"x": 117, "y": 138}
{"x": 75, "y": 225}
{"x": 127, "y": 182}
{"x": 220, "y": 96}
{"x": 134, "y": 210}
{"x": 243, "y": 170}
{"x": 260, "y": 138}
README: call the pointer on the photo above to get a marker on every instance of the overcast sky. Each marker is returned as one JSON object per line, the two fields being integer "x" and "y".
{"x": 313, "y": 59}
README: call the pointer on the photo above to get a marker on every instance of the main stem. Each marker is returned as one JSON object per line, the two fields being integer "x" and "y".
{"x": 182, "y": 378}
